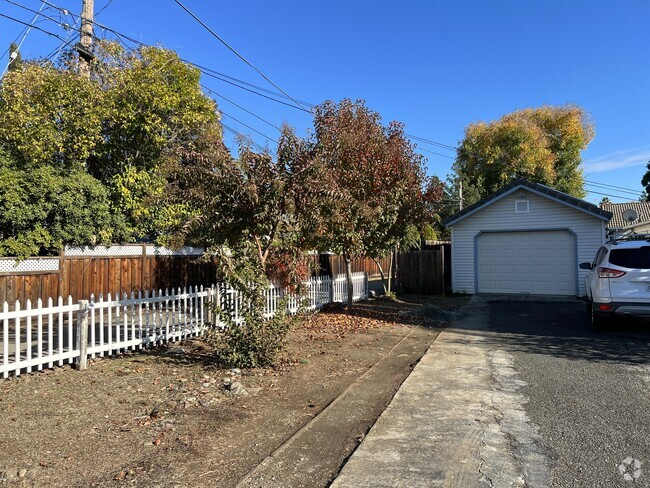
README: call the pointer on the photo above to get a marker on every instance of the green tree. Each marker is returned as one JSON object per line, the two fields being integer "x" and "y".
{"x": 453, "y": 200}
{"x": 645, "y": 181}
{"x": 542, "y": 145}
{"x": 50, "y": 117}
{"x": 45, "y": 207}
{"x": 154, "y": 108}
{"x": 122, "y": 127}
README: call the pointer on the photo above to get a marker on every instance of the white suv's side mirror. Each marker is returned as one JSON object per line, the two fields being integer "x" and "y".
{"x": 585, "y": 265}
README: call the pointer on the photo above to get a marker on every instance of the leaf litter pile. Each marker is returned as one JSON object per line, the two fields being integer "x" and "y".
{"x": 167, "y": 416}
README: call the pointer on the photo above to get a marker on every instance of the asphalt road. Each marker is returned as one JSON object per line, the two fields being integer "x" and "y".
{"x": 588, "y": 393}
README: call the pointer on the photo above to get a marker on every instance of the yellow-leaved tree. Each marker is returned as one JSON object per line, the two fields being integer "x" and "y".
{"x": 542, "y": 144}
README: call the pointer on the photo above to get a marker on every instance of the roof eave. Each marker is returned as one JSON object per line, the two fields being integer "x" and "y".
{"x": 454, "y": 219}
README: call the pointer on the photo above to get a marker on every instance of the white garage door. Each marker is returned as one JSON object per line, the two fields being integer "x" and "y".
{"x": 542, "y": 263}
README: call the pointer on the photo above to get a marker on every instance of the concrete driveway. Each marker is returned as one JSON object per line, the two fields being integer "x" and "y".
{"x": 517, "y": 393}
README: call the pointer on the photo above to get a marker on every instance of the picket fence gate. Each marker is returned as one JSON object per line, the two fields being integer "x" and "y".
{"x": 56, "y": 333}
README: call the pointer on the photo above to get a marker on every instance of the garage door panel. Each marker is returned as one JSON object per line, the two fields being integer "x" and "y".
{"x": 540, "y": 262}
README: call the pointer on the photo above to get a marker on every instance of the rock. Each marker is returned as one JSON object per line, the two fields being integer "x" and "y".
{"x": 22, "y": 473}
{"x": 227, "y": 381}
{"x": 235, "y": 371}
{"x": 206, "y": 385}
{"x": 236, "y": 388}
{"x": 176, "y": 350}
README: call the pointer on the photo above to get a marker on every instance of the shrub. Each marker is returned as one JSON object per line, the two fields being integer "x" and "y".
{"x": 255, "y": 342}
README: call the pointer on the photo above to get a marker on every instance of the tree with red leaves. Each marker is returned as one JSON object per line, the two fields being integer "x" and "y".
{"x": 374, "y": 191}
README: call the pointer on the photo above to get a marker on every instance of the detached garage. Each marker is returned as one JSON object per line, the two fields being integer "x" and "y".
{"x": 526, "y": 238}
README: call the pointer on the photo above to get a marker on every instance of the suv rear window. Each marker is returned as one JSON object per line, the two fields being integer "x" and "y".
{"x": 631, "y": 258}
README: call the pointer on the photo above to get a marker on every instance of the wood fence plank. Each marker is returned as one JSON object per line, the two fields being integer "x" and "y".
{"x": 94, "y": 282}
{"x": 125, "y": 277}
{"x": 64, "y": 280}
{"x": 114, "y": 272}
{"x": 146, "y": 273}
{"x": 136, "y": 276}
{"x": 3, "y": 289}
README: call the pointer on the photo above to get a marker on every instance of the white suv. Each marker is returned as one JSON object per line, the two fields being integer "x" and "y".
{"x": 618, "y": 284}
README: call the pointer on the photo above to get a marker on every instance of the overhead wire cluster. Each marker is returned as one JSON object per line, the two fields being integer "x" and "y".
{"x": 69, "y": 22}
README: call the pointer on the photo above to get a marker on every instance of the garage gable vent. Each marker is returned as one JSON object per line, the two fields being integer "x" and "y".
{"x": 522, "y": 206}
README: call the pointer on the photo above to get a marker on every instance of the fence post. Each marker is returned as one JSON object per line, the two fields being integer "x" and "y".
{"x": 217, "y": 307}
{"x": 366, "y": 293}
{"x": 82, "y": 335}
{"x": 332, "y": 285}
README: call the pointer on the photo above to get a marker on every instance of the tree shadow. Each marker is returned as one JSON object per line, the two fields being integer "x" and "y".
{"x": 560, "y": 329}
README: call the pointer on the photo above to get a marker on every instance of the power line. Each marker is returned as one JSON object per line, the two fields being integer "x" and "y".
{"x": 429, "y": 141}
{"x": 248, "y": 126}
{"x": 635, "y": 193}
{"x": 103, "y": 8}
{"x": 205, "y": 70}
{"x": 240, "y": 107}
{"x": 207, "y": 73}
{"x": 237, "y": 133}
{"x": 607, "y": 186}
{"x": 234, "y": 50}
{"x": 23, "y": 33}
{"x": 140, "y": 43}
{"x": 37, "y": 13}
{"x": 252, "y": 85}
{"x": 610, "y": 195}
{"x": 58, "y": 50}
{"x": 436, "y": 153}
{"x": 33, "y": 27}
{"x": 241, "y": 84}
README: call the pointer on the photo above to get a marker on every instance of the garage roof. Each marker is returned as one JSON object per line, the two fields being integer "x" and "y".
{"x": 538, "y": 188}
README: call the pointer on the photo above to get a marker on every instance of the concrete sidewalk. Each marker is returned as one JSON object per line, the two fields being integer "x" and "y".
{"x": 457, "y": 420}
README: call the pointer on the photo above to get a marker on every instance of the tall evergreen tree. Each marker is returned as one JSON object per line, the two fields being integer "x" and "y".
{"x": 15, "y": 59}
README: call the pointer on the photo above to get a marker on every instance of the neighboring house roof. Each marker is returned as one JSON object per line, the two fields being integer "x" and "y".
{"x": 617, "y": 222}
{"x": 538, "y": 188}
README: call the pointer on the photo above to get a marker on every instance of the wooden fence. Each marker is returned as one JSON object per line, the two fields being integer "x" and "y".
{"x": 81, "y": 275}
{"x": 332, "y": 265}
{"x": 423, "y": 272}
{"x": 126, "y": 269}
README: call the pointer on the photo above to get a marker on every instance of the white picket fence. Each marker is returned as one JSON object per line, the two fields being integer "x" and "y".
{"x": 50, "y": 334}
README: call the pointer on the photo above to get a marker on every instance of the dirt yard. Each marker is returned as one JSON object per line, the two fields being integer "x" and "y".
{"x": 168, "y": 417}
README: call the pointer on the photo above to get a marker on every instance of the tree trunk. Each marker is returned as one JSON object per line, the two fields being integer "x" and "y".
{"x": 348, "y": 276}
{"x": 390, "y": 271}
{"x": 383, "y": 276}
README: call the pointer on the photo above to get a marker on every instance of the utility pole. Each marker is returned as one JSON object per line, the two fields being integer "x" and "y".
{"x": 460, "y": 195}
{"x": 84, "y": 47}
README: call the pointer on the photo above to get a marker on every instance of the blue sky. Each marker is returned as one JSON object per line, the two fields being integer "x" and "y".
{"x": 435, "y": 66}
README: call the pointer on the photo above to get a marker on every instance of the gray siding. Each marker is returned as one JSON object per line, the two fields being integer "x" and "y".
{"x": 500, "y": 215}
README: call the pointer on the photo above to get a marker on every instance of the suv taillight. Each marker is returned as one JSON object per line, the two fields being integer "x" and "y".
{"x": 609, "y": 273}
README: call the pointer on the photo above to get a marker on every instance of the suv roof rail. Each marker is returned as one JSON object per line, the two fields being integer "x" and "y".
{"x": 629, "y": 237}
